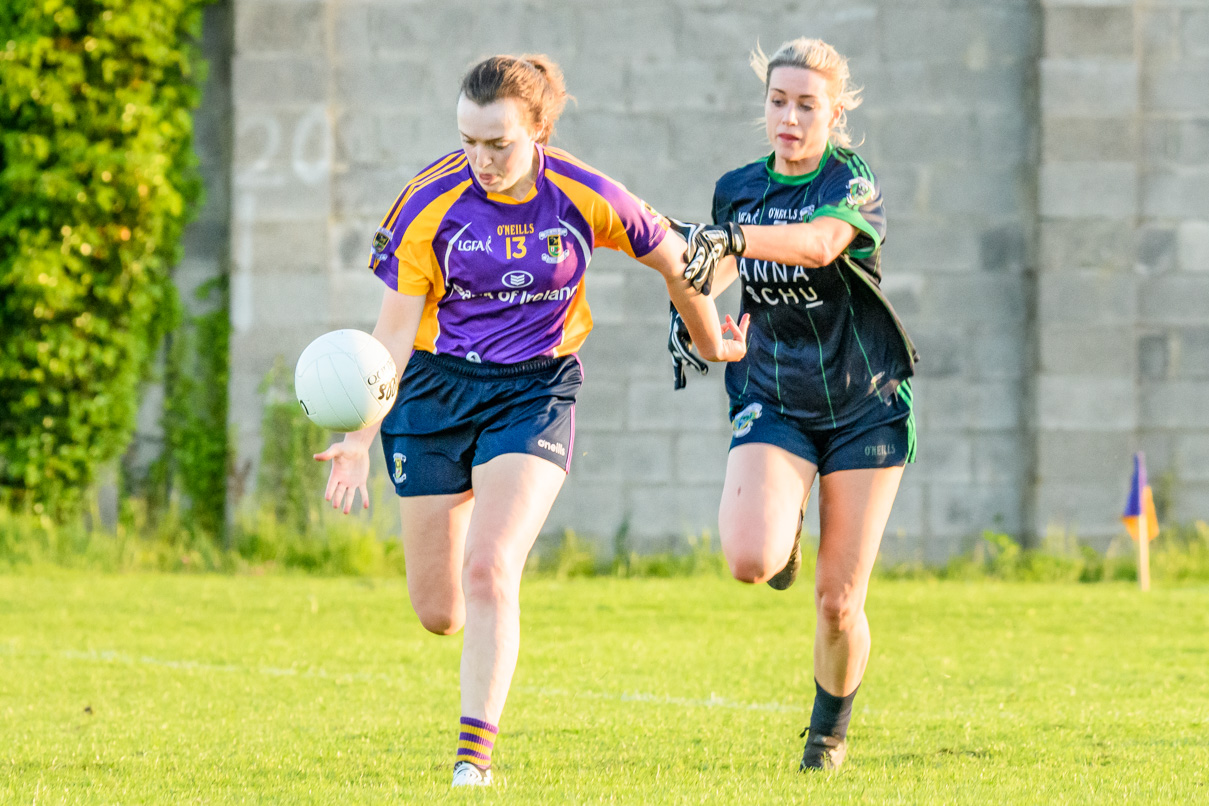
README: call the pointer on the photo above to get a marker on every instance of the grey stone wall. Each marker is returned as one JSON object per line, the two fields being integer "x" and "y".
{"x": 1044, "y": 169}
{"x": 1123, "y": 282}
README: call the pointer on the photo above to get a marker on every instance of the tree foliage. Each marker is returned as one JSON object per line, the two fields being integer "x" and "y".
{"x": 97, "y": 181}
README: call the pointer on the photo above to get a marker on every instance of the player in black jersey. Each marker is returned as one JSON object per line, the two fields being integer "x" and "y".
{"x": 824, "y": 388}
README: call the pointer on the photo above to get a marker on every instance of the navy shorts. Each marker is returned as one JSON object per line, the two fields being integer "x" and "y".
{"x": 883, "y": 436}
{"x": 452, "y": 414}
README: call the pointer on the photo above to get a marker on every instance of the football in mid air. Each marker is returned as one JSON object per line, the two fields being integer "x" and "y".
{"x": 345, "y": 380}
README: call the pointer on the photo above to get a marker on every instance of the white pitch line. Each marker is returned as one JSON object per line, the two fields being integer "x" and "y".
{"x": 713, "y": 701}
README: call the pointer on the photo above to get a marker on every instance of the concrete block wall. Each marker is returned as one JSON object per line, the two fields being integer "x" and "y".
{"x": 1039, "y": 163}
{"x": 1122, "y": 284}
{"x": 1173, "y": 290}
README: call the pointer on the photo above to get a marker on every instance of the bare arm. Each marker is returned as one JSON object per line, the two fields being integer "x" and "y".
{"x": 398, "y": 321}
{"x": 699, "y": 312}
{"x": 726, "y": 273}
{"x": 811, "y": 244}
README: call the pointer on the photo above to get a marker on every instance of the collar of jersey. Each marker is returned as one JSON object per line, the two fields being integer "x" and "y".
{"x": 786, "y": 179}
{"x": 538, "y": 177}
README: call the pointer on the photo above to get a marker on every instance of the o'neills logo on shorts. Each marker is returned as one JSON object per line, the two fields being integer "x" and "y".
{"x": 553, "y": 447}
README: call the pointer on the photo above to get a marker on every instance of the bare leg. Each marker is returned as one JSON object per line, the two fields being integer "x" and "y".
{"x": 854, "y": 506}
{"x": 513, "y": 496}
{"x": 434, "y": 545}
{"x": 761, "y": 499}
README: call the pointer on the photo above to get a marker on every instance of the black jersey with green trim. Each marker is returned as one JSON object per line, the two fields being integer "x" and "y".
{"x": 824, "y": 344}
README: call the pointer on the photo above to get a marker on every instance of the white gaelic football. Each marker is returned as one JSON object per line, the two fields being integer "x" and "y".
{"x": 345, "y": 380}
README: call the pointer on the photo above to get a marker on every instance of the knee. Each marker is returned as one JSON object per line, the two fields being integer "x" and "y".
{"x": 440, "y": 612}
{"x": 838, "y": 611}
{"x": 749, "y": 567}
{"x": 438, "y": 619}
{"x": 747, "y": 554}
{"x": 486, "y": 579}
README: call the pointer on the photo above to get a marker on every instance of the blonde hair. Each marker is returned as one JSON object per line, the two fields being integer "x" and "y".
{"x": 533, "y": 79}
{"x": 816, "y": 55}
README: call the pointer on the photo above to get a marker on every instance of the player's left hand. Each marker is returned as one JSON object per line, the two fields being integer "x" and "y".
{"x": 733, "y": 349}
{"x": 707, "y": 245}
{"x": 680, "y": 345}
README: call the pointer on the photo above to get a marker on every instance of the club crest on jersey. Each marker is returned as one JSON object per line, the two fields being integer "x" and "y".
{"x": 399, "y": 476}
{"x": 744, "y": 420}
{"x": 860, "y": 190}
{"x": 556, "y": 252}
{"x": 381, "y": 241}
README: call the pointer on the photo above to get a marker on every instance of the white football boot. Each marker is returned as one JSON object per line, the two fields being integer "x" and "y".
{"x": 466, "y": 774}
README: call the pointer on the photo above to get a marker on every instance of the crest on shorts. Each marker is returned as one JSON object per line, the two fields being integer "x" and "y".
{"x": 399, "y": 476}
{"x": 860, "y": 190}
{"x": 556, "y": 250}
{"x": 381, "y": 241}
{"x": 744, "y": 420}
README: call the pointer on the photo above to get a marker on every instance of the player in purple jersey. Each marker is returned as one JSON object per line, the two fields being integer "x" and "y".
{"x": 825, "y": 386}
{"x": 483, "y": 255}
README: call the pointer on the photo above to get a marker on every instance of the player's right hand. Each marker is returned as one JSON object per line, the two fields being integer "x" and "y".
{"x": 680, "y": 345}
{"x": 707, "y": 245}
{"x": 350, "y": 474}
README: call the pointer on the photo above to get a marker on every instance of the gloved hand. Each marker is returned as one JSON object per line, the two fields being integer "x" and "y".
{"x": 707, "y": 245}
{"x": 680, "y": 345}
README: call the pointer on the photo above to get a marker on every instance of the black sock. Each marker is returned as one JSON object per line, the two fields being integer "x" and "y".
{"x": 831, "y": 714}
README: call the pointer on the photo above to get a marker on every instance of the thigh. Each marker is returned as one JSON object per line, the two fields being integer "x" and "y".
{"x": 854, "y": 506}
{"x": 434, "y": 543}
{"x": 762, "y": 498}
{"x": 513, "y": 494}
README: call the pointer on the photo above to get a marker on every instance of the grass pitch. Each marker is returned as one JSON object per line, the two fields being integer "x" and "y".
{"x": 166, "y": 689}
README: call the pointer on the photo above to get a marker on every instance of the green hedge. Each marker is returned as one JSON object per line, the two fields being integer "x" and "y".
{"x": 97, "y": 181}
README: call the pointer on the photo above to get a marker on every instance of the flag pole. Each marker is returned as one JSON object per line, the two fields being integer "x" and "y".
{"x": 1144, "y": 550}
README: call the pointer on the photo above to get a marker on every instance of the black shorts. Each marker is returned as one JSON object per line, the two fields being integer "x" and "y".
{"x": 884, "y": 436}
{"x": 452, "y": 414}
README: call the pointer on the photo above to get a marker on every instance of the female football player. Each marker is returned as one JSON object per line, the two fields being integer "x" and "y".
{"x": 824, "y": 388}
{"x": 483, "y": 256}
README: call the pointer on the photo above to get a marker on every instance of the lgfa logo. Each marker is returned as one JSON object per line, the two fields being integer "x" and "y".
{"x": 475, "y": 246}
{"x": 517, "y": 279}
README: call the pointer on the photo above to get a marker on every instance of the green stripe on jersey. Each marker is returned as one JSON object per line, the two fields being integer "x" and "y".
{"x": 904, "y": 391}
{"x": 854, "y": 218}
{"x": 822, "y": 369}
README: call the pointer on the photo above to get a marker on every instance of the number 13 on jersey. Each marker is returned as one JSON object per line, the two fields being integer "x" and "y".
{"x": 514, "y": 246}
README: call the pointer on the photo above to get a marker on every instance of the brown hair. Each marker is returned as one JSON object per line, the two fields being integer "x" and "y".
{"x": 534, "y": 80}
{"x": 817, "y": 55}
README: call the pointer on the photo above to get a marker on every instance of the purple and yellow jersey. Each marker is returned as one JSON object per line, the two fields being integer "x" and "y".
{"x": 504, "y": 279}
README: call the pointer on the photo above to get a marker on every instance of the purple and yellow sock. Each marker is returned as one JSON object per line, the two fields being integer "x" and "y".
{"x": 475, "y": 742}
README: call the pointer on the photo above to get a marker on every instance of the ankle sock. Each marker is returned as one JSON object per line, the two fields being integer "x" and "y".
{"x": 831, "y": 714}
{"x": 476, "y": 738}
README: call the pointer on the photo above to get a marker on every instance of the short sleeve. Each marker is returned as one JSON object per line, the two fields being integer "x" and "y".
{"x": 402, "y": 255}
{"x": 403, "y": 259}
{"x": 851, "y": 193}
{"x": 619, "y": 219}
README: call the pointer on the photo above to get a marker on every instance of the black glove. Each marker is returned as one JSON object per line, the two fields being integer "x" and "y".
{"x": 708, "y": 244}
{"x": 680, "y": 345}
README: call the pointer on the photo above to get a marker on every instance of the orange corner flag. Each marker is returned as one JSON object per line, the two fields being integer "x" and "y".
{"x": 1139, "y": 516}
